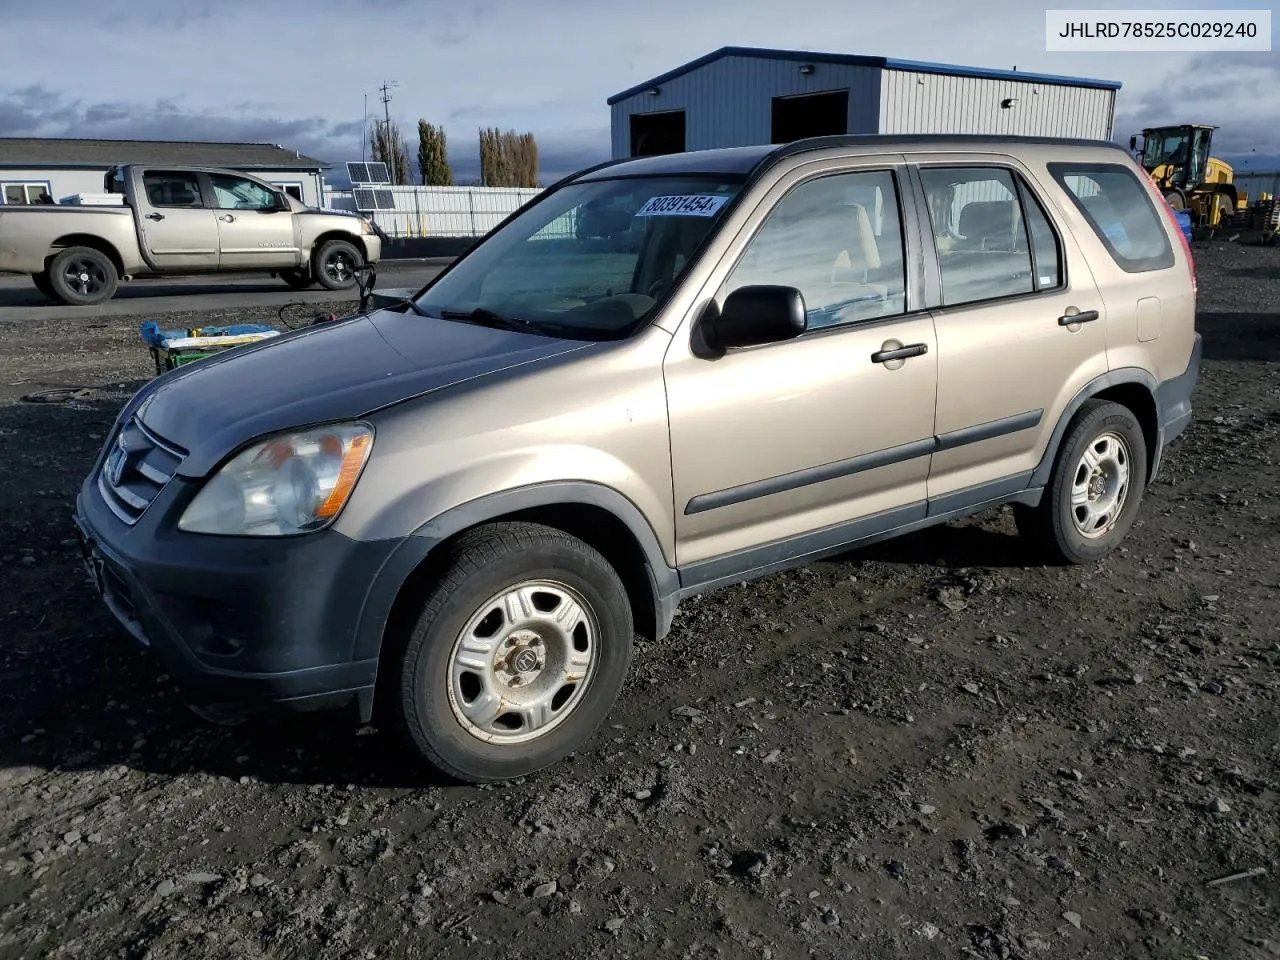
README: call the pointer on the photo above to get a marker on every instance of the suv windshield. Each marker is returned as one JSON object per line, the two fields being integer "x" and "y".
{"x": 590, "y": 261}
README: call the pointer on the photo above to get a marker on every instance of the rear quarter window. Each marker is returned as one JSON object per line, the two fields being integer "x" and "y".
{"x": 1119, "y": 209}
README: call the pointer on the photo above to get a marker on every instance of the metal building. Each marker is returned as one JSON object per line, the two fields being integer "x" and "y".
{"x": 739, "y": 96}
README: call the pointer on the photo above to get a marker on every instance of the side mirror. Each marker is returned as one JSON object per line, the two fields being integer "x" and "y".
{"x": 1133, "y": 143}
{"x": 758, "y": 314}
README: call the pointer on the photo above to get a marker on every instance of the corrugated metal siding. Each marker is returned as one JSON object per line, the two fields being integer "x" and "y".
{"x": 935, "y": 103}
{"x": 1255, "y": 184}
{"x": 728, "y": 103}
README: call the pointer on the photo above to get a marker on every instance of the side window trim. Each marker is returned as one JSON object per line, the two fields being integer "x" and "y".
{"x": 928, "y": 242}
{"x": 910, "y": 229}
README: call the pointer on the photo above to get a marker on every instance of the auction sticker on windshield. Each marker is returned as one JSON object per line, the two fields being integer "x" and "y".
{"x": 689, "y": 205}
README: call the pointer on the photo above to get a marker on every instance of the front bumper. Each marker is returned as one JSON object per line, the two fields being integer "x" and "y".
{"x": 247, "y": 621}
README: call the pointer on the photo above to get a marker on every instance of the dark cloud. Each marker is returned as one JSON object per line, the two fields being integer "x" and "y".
{"x": 39, "y": 112}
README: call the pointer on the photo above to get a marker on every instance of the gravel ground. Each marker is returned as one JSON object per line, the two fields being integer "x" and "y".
{"x": 930, "y": 748}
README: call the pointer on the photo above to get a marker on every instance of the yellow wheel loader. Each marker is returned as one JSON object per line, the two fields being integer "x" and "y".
{"x": 1177, "y": 157}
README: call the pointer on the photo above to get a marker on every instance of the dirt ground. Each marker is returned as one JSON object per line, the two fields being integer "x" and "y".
{"x": 931, "y": 748}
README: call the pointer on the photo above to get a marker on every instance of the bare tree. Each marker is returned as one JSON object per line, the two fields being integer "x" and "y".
{"x": 433, "y": 156}
{"x": 387, "y": 145}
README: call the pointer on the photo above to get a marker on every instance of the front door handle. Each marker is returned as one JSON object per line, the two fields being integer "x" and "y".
{"x": 155, "y": 216}
{"x": 227, "y": 218}
{"x": 900, "y": 353}
{"x": 1084, "y": 316}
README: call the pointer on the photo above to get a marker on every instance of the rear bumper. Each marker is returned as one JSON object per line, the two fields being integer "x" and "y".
{"x": 1173, "y": 396}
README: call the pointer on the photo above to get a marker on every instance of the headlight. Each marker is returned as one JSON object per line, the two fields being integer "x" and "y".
{"x": 287, "y": 484}
{"x": 366, "y": 227}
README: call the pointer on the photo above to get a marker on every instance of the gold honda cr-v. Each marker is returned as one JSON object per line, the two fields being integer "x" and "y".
{"x": 662, "y": 375}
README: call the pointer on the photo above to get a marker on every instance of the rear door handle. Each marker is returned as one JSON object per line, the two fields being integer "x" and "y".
{"x": 1084, "y": 316}
{"x": 228, "y": 218}
{"x": 155, "y": 216}
{"x": 900, "y": 353}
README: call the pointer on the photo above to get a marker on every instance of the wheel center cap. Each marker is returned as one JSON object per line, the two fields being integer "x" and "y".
{"x": 525, "y": 661}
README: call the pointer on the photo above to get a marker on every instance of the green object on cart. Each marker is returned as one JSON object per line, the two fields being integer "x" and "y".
{"x": 171, "y": 349}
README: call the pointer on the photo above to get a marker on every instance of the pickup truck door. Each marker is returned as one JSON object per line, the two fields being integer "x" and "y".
{"x": 176, "y": 229}
{"x": 256, "y": 228}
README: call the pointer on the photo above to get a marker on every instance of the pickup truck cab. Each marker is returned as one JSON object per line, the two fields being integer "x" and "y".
{"x": 182, "y": 220}
{"x": 662, "y": 376}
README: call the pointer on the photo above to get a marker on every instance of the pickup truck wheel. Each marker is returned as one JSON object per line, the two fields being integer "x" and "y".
{"x": 1095, "y": 489}
{"x": 41, "y": 281}
{"x": 518, "y": 654}
{"x": 335, "y": 263}
{"x": 82, "y": 276}
{"x": 298, "y": 279}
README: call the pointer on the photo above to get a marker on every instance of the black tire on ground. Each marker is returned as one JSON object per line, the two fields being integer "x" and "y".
{"x": 466, "y": 600}
{"x": 1064, "y": 531}
{"x": 1222, "y": 211}
{"x": 298, "y": 279}
{"x": 41, "y": 280}
{"x": 1175, "y": 200}
{"x": 83, "y": 276}
{"x": 334, "y": 264}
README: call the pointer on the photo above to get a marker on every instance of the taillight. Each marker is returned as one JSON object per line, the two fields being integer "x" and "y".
{"x": 1177, "y": 227}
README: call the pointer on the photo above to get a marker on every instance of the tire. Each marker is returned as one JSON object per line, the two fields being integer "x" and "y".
{"x": 1222, "y": 212}
{"x": 83, "y": 276}
{"x": 441, "y": 690}
{"x": 1055, "y": 527}
{"x": 41, "y": 281}
{"x": 298, "y": 279}
{"x": 333, "y": 265}
{"x": 1175, "y": 200}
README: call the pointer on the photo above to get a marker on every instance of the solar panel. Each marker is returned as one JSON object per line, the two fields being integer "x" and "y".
{"x": 385, "y": 199}
{"x": 376, "y": 172}
{"x": 358, "y": 172}
{"x": 366, "y": 199}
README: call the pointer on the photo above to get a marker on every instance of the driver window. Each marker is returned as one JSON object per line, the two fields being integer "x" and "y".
{"x": 838, "y": 239}
{"x": 235, "y": 193}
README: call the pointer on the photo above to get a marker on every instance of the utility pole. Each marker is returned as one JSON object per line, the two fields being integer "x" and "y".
{"x": 386, "y": 130}
{"x": 364, "y": 131}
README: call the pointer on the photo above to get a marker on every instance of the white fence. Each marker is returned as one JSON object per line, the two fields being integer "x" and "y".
{"x": 438, "y": 211}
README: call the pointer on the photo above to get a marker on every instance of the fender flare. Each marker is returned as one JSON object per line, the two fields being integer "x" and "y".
{"x": 415, "y": 548}
{"x": 1122, "y": 376}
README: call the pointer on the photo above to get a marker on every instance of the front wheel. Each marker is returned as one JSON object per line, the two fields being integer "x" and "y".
{"x": 1095, "y": 489}
{"x": 335, "y": 263}
{"x": 519, "y": 653}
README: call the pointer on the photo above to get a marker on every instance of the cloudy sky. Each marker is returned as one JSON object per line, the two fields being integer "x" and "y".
{"x": 297, "y": 72}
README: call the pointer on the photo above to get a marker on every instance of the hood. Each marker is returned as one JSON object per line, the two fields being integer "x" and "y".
{"x": 335, "y": 371}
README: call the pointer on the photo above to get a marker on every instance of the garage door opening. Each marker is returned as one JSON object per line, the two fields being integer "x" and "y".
{"x": 653, "y": 134}
{"x": 810, "y": 115}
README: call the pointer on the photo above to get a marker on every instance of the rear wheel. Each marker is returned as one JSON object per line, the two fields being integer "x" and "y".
{"x": 334, "y": 265}
{"x": 1222, "y": 211}
{"x": 1095, "y": 489}
{"x": 518, "y": 655}
{"x": 298, "y": 279}
{"x": 83, "y": 276}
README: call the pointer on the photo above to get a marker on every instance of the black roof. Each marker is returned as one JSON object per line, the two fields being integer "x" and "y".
{"x": 745, "y": 160}
{"x": 884, "y": 63}
{"x": 71, "y": 152}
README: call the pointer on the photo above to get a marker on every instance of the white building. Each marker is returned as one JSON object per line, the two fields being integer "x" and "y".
{"x": 740, "y": 96}
{"x": 32, "y": 168}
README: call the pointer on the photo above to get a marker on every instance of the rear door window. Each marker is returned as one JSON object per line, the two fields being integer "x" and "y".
{"x": 176, "y": 189}
{"x": 1120, "y": 211}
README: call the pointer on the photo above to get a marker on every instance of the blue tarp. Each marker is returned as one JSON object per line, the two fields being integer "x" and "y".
{"x": 1184, "y": 221}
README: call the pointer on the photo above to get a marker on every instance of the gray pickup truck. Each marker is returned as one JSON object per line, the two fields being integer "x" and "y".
{"x": 182, "y": 220}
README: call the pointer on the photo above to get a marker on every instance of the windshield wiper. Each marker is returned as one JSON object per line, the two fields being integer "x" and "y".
{"x": 484, "y": 317}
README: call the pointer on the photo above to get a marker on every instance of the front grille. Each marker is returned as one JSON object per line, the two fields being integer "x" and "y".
{"x": 136, "y": 470}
